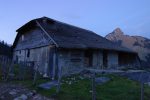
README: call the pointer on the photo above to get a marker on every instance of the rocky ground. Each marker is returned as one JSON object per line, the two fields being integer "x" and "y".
{"x": 18, "y": 92}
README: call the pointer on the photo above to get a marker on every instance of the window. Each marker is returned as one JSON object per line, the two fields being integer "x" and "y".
{"x": 20, "y": 51}
{"x": 22, "y": 37}
{"x": 28, "y": 53}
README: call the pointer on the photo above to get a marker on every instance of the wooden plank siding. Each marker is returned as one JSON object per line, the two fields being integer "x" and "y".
{"x": 53, "y": 44}
{"x": 71, "y": 61}
{"x": 40, "y": 49}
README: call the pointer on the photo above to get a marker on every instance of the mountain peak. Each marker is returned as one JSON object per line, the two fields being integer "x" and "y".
{"x": 139, "y": 44}
{"x": 118, "y": 31}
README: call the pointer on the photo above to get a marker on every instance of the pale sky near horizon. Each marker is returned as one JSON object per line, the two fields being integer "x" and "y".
{"x": 100, "y": 16}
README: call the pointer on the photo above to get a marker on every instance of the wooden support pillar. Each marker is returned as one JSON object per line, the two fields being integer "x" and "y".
{"x": 59, "y": 78}
{"x": 142, "y": 91}
{"x": 54, "y": 66}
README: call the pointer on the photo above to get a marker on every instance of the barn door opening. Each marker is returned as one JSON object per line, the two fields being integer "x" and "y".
{"x": 105, "y": 59}
{"x": 88, "y": 58}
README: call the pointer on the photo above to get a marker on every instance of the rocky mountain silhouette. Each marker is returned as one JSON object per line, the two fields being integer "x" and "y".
{"x": 139, "y": 44}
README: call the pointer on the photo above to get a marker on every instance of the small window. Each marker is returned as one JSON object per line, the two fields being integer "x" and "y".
{"x": 20, "y": 51}
{"x": 22, "y": 38}
{"x": 28, "y": 53}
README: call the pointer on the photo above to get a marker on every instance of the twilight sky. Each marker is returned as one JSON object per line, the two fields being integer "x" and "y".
{"x": 100, "y": 16}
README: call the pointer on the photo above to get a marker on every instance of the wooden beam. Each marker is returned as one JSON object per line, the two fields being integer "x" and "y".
{"x": 46, "y": 33}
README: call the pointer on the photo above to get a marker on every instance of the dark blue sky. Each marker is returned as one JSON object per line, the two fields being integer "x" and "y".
{"x": 100, "y": 16}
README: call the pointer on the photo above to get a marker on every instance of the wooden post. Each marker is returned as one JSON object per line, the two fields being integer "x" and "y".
{"x": 142, "y": 91}
{"x": 35, "y": 73}
{"x": 93, "y": 87}
{"x": 54, "y": 66}
{"x": 59, "y": 78}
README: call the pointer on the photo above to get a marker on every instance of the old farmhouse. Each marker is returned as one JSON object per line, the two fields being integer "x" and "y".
{"x": 53, "y": 44}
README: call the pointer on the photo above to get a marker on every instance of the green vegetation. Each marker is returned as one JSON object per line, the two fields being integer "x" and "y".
{"x": 80, "y": 89}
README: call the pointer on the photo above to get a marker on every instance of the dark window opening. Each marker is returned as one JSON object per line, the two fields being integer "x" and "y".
{"x": 17, "y": 59}
{"x": 126, "y": 59}
{"x": 20, "y": 51}
{"x": 75, "y": 60}
{"x": 88, "y": 58}
{"x": 28, "y": 53}
{"x": 105, "y": 59}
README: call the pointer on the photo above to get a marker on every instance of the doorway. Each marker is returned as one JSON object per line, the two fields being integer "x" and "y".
{"x": 88, "y": 58}
{"x": 105, "y": 59}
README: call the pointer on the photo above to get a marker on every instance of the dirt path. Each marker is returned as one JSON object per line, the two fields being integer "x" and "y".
{"x": 17, "y": 92}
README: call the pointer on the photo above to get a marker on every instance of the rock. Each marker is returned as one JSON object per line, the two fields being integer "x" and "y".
{"x": 148, "y": 83}
{"x": 90, "y": 91}
{"x": 69, "y": 82}
{"x": 22, "y": 97}
{"x": 81, "y": 77}
{"x": 30, "y": 94}
{"x": 39, "y": 97}
{"x": 13, "y": 92}
{"x": 34, "y": 92}
{"x": 102, "y": 80}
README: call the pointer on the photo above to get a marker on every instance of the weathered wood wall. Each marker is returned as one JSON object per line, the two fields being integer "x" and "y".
{"x": 39, "y": 56}
{"x": 71, "y": 61}
{"x": 112, "y": 59}
{"x": 34, "y": 46}
{"x": 98, "y": 59}
{"x": 32, "y": 39}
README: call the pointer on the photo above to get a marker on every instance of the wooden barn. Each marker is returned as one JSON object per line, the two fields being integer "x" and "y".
{"x": 53, "y": 44}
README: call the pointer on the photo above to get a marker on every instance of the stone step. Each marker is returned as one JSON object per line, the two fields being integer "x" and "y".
{"x": 48, "y": 85}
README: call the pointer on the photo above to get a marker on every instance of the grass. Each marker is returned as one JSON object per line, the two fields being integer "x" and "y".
{"x": 117, "y": 89}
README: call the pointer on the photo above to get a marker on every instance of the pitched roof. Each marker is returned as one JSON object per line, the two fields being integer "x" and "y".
{"x": 71, "y": 37}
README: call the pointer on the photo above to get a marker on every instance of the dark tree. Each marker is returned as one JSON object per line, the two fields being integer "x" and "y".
{"x": 5, "y": 49}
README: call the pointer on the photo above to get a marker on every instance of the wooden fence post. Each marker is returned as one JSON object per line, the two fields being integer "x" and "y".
{"x": 59, "y": 78}
{"x": 35, "y": 73}
{"x": 142, "y": 91}
{"x": 93, "y": 87}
